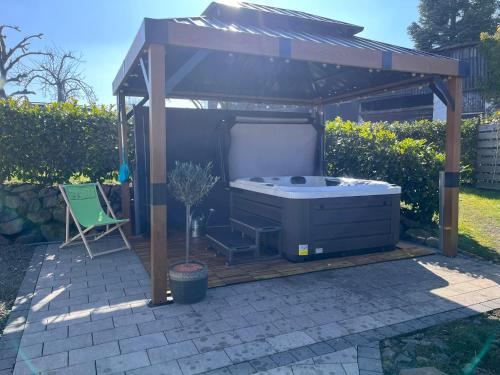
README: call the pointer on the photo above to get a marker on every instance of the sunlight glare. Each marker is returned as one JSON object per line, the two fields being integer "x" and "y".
{"x": 231, "y": 3}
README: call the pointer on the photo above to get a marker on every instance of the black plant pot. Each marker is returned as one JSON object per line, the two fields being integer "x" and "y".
{"x": 188, "y": 286}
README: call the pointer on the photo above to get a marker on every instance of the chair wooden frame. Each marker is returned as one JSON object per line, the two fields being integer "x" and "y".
{"x": 81, "y": 232}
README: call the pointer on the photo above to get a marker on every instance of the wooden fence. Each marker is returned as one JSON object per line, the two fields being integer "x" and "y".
{"x": 488, "y": 156}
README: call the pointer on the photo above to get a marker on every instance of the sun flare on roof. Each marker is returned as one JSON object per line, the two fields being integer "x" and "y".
{"x": 231, "y": 3}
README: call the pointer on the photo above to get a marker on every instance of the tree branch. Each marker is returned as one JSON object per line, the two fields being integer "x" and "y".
{"x": 23, "y": 44}
{"x": 22, "y": 92}
{"x": 18, "y": 58}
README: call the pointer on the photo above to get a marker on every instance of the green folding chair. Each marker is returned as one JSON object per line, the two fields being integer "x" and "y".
{"x": 84, "y": 207}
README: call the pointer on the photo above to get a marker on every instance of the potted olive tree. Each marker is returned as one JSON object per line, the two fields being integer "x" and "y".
{"x": 189, "y": 183}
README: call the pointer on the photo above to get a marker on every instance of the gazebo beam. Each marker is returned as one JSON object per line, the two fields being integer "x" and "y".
{"x": 257, "y": 44}
{"x": 452, "y": 169}
{"x": 356, "y": 94}
{"x": 158, "y": 173}
{"x": 123, "y": 153}
{"x": 238, "y": 98}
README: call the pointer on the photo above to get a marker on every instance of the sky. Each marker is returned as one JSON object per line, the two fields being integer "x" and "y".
{"x": 102, "y": 30}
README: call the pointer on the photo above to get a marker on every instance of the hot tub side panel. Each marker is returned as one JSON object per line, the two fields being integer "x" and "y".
{"x": 312, "y": 227}
{"x": 345, "y": 225}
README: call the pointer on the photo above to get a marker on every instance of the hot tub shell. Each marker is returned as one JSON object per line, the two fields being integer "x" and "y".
{"x": 319, "y": 220}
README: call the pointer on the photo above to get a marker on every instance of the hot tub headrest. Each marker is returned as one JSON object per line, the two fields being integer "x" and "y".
{"x": 257, "y": 179}
{"x": 297, "y": 180}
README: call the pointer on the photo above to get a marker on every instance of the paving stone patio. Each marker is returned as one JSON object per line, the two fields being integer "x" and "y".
{"x": 77, "y": 316}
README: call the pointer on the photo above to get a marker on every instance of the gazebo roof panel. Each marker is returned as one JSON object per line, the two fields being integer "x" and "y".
{"x": 338, "y": 40}
{"x": 262, "y": 15}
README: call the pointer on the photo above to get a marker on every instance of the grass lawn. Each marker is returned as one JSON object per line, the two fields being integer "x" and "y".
{"x": 465, "y": 346}
{"x": 14, "y": 261}
{"x": 479, "y": 222}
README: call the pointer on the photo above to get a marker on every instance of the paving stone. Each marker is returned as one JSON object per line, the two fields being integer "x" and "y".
{"x": 329, "y": 316}
{"x": 69, "y": 343}
{"x": 320, "y": 348}
{"x": 32, "y": 351}
{"x": 295, "y": 323}
{"x": 124, "y": 362}
{"x": 9, "y": 352}
{"x": 195, "y": 318}
{"x": 357, "y": 339}
{"x": 348, "y": 355}
{"x": 110, "y": 312}
{"x": 219, "y": 371}
{"x": 257, "y": 332}
{"x": 263, "y": 317}
{"x": 204, "y": 362}
{"x": 217, "y": 341}
{"x": 244, "y": 368}
{"x": 165, "y": 368}
{"x": 58, "y": 303}
{"x": 248, "y": 351}
{"x": 170, "y": 352}
{"x": 93, "y": 352}
{"x": 339, "y": 343}
{"x": 115, "y": 334}
{"x": 289, "y": 341}
{"x": 369, "y": 352}
{"x": 169, "y": 311}
{"x": 44, "y": 336}
{"x": 227, "y": 324}
{"x": 283, "y": 358}
{"x": 263, "y": 363}
{"x": 87, "y": 368}
{"x": 331, "y": 369}
{"x": 351, "y": 368}
{"x": 46, "y": 363}
{"x": 370, "y": 364}
{"x": 88, "y": 327}
{"x": 283, "y": 370}
{"x": 7, "y": 363}
{"x": 142, "y": 342}
{"x": 326, "y": 331}
{"x": 360, "y": 323}
{"x": 186, "y": 333}
{"x": 392, "y": 316}
{"x": 134, "y": 318}
{"x": 372, "y": 335}
{"x": 302, "y": 353}
{"x": 158, "y": 325}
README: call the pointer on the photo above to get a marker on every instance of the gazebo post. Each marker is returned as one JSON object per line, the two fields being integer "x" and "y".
{"x": 158, "y": 173}
{"x": 123, "y": 144}
{"x": 452, "y": 169}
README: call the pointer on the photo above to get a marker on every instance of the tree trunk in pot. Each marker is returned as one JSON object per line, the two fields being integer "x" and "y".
{"x": 188, "y": 229}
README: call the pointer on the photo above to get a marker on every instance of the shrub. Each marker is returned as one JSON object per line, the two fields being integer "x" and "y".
{"x": 56, "y": 142}
{"x": 374, "y": 151}
{"x": 434, "y": 132}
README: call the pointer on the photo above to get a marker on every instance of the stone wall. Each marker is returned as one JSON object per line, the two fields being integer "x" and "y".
{"x": 34, "y": 213}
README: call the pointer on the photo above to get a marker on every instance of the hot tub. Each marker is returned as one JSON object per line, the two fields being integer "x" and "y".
{"x": 322, "y": 215}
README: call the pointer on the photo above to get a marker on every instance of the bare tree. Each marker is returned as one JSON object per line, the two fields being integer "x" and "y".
{"x": 11, "y": 68}
{"x": 60, "y": 76}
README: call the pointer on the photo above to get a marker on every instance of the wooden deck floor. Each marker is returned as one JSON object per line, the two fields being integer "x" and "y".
{"x": 220, "y": 274}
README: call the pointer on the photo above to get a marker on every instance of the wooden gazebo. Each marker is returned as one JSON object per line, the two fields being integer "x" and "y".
{"x": 255, "y": 53}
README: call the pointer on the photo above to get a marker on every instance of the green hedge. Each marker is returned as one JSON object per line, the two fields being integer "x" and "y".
{"x": 56, "y": 142}
{"x": 434, "y": 132}
{"x": 408, "y": 154}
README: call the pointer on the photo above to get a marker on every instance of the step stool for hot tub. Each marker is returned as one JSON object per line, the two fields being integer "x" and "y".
{"x": 255, "y": 227}
{"x": 230, "y": 243}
